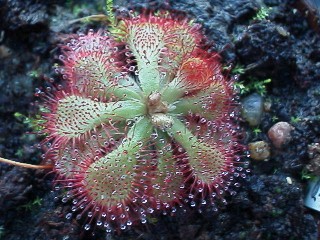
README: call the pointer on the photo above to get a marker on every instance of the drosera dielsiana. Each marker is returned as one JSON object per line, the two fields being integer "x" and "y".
{"x": 144, "y": 124}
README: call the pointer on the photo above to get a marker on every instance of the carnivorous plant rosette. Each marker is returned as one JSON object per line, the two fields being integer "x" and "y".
{"x": 144, "y": 123}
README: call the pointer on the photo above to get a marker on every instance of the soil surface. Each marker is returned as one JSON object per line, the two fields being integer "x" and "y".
{"x": 258, "y": 39}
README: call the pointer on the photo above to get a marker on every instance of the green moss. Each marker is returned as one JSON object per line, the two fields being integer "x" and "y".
{"x": 307, "y": 175}
{"x": 32, "y": 123}
{"x": 295, "y": 120}
{"x": 253, "y": 85}
{"x": 277, "y": 190}
{"x": 238, "y": 69}
{"x": 256, "y": 131}
{"x": 263, "y": 13}
{"x": 37, "y": 202}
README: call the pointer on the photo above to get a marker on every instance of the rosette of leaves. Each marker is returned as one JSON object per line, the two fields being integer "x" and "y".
{"x": 143, "y": 123}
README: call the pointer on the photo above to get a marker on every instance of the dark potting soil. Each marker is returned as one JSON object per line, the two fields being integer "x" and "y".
{"x": 283, "y": 45}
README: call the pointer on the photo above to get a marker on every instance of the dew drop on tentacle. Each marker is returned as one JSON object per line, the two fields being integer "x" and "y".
{"x": 69, "y": 216}
{"x": 87, "y": 227}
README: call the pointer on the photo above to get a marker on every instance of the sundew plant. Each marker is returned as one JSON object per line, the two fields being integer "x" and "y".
{"x": 144, "y": 123}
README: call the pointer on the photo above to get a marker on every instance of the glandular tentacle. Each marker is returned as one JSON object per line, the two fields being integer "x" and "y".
{"x": 209, "y": 154}
{"x": 168, "y": 179}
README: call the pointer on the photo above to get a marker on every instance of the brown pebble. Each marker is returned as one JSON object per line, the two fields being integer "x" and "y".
{"x": 267, "y": 106}
{"x": 280, "y": 134}
{"x": 259, "y": 150}
{"x": 4, "y": 51}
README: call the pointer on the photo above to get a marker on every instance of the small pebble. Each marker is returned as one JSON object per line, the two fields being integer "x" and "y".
{"x": 4, "y": 51}
{"x": 280, "y": 134}
{"x": 282, "y": 31}
{"x": 252, "y": 109}
{"x": 259, "y": 150}
{"x": 267, "y": 106}
{"x": 289, "y": 180}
